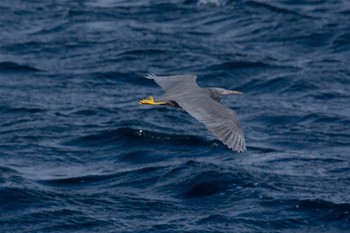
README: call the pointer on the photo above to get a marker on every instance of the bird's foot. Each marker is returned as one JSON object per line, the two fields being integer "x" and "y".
{"x": 150, "y": 101}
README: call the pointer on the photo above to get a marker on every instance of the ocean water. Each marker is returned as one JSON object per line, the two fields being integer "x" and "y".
{"x": 79, "y": 154}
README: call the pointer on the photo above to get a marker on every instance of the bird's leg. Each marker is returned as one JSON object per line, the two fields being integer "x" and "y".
{"x": 151, "y": 101}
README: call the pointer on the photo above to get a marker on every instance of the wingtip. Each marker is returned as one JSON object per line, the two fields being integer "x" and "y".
{"x": 239, "y": 147}
{"x": 241, "y": 150}
{"x": 151, "y": 76}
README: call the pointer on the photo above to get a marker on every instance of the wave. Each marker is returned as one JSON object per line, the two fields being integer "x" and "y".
{"x": 78, "y": 181}
{"x": 239, "y": 65}
{"x": 190, "y": 179}
{"x": 216, "y": 189}
{"x": 341, "y": 42}
{"x": 319, "y": 210}
{"x": 274, "y": 8}
{"x": 15, "y": 67}
{"x": 324, "y": 118}
{"x": 114, "y": 77}
{"x": 16, "y": 110}
{"x": 133, "y": 136}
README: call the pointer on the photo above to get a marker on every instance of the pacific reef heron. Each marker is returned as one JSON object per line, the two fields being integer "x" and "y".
{"x": 202, "y": 104}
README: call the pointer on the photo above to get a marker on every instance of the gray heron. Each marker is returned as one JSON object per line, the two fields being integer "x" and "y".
{"x": 203, "y": 104}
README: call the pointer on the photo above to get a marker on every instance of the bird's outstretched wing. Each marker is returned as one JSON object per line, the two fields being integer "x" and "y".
{"x": 220, "y": 120}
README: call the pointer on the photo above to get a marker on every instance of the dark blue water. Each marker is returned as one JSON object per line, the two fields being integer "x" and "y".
{"x": 79, "y": 154}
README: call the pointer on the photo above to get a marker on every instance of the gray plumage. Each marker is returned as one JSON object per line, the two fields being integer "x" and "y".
{"x": 204, "y": 105}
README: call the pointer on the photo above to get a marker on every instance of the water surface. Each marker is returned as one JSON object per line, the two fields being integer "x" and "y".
{"x": 79, "y": 154}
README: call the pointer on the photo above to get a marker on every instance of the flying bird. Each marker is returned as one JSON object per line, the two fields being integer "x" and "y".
{"x": 202, "y": 104}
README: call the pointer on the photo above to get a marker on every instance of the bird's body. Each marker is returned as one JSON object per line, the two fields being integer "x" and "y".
{"x": 203, "y": 104}
{"x": 207, "y": 91}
